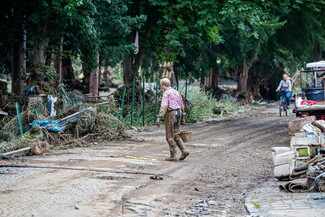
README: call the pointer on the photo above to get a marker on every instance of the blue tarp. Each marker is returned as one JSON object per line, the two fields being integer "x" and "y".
{"x": 52, "y": 126}
{"x": 30, "y": 90}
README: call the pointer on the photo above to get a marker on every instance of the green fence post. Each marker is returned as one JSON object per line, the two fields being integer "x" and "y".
{"x": 36, "y": 112}
{"x": 185, "y": 90}
{"x": 122, "y": 104}
{"x": 132, "y": 103}
{"x": 143, "y": 100}
{"x": 19, "y": 120}
{"x": 156, "y": 101}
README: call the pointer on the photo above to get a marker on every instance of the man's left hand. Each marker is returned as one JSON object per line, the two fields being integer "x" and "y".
{"x": 158, "y": 122}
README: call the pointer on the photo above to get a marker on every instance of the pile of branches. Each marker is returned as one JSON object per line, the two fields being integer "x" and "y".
{"x": 91, "y": 126}
{"x": 35, "y": 110}
{"x": 35, "y": 139}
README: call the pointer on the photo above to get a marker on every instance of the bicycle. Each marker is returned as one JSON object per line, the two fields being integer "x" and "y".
{"x": 283, "y": 106}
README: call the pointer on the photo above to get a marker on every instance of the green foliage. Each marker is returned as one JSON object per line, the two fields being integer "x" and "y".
{"x": 48, "y": 72}
{"x": 181, "y": 29}
{"x": 113, "y": 25}
{"x": 201, "y": 105}
{"x": 87, "y": 28}
{"x": 137, "y": 116}
{"x": 118, "y": 75}
{"x": 197, "y": 36}
{"x": 252, "y": 23}
{"x": 226, "y": 107}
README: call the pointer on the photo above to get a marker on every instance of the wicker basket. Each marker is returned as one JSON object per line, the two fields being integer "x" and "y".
{"x": 186, "y": 136}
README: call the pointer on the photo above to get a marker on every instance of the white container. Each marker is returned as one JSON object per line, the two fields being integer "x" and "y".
{"x": 297, "y": 163}
{"x": 283, "y": 158}
{"x": 282, "y": 171}
{"x": 279, "y": 150}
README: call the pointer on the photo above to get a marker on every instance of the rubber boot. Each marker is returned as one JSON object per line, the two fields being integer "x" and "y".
{"x": 181, "y": 146}
{"x": 173, "y": 152}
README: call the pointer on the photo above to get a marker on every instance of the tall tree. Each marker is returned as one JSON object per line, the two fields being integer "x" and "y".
{"x": 247, "y": 25}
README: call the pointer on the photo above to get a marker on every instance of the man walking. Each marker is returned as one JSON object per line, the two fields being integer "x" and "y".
{"x": 171, "y": 109}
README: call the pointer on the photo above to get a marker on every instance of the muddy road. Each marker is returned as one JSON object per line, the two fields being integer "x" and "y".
{"x": 228, "y": 158}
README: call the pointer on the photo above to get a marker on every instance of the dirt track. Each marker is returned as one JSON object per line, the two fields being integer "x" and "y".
{"x": 229, "y": 157}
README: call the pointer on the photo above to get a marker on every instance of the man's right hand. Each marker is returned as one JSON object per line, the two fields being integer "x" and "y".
{"x": 158, "y": 122}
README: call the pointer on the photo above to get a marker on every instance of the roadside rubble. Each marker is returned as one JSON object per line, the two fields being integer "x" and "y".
{"x": 302, "y": 164}
{"x": 7, "y": 154}
{"x": 62, "y": 121}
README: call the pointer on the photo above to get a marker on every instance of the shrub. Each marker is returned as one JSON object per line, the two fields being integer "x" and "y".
{"x": 200, "y": 104}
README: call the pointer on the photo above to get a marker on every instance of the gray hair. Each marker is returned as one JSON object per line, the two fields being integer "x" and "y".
{"x": 165, "y": 81}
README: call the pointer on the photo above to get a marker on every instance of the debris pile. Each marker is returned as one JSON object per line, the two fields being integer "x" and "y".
{"x": 302, "y": 164}
{"x": 35, "y": 110}
{"x": 94, "y": 125}
{"x": 75, "y": 123}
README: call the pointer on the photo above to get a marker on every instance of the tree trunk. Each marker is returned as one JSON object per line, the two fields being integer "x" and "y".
{"x": 318, "y": 52}
{"x": 19, "y": 61}
{"x": 175, "y": 72}
{"x": 215, "y": 79}
{"x": 67, "y": 71}
{"x": 39, "y": 55}
{"x": 211, "y": 81}
{"x": 105, "y": 78}
{"x": 99, "y": 77}
{"x": 86, "y": 71}
{"x": 58, "y": 62}
{"x": 94, "y": 80}
{"x": 244, "y": 69}
{"x": 256, "y": 90}
{"x": 128, "y": 71}
{"x": 243, "y": 77}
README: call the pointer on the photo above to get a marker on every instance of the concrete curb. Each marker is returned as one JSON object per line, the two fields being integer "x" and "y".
{"x": 268, "y": 200}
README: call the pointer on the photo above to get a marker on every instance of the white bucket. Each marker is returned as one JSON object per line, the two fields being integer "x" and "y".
{"x": 279, "y": 150}
{"x": 283, "y": 158}
{"x": 282, "y": 171}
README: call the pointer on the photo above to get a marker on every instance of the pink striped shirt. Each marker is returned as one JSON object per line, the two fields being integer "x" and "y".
{"x": 172, "y": 99}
